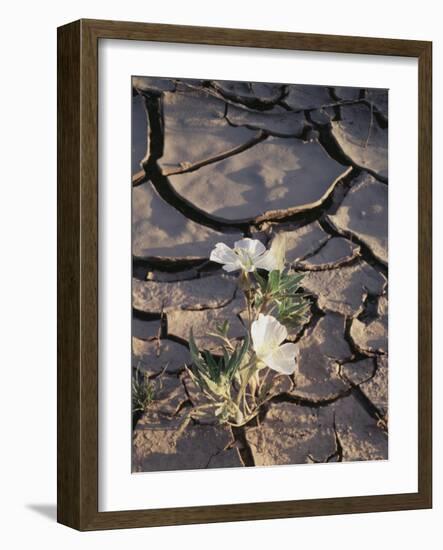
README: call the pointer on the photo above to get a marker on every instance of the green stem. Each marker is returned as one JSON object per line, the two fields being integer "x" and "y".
{"x": 249, "y": 369}
{"x": 247, "y": 293}
{"x": 263, "y": 382}
{"x": 245, "y": 421}
{"x": 245, "y": 403}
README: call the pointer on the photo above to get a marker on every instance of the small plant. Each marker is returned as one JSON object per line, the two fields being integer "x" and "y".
{"x": 142, "y": 392}
{"x": 235, "y": 381}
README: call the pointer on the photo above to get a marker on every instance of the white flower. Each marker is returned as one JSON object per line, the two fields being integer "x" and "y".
{"x": 245, "y": 255}
{"x": 274, "y": 258}
{"x": 267, "y": 335}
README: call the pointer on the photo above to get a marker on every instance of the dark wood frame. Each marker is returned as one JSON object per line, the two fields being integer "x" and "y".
{"x": 77, "y": 480}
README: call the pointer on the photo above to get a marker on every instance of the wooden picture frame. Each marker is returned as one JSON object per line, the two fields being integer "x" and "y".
{"x": 78, "y": 274}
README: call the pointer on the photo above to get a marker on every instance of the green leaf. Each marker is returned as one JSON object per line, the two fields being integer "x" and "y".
{"x": 142, "y": 392}
{"x": 237, "y": 357}
{"x": 290, "y": 283}
{"x": 214, "y": 369}
{"x": 225, "y": 358}
{"x": 274, "y": 281}
{"x": 261, "y": 281}
{"x": 232, "y": 365}
{"x": 195, "y": 354}
{"x": 243, "y": 349}
{"x": 223, "y": 329}
{"x": 211, "y": 385}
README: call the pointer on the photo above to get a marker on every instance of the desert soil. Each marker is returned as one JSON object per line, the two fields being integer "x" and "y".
{"x": 215, "y": 161}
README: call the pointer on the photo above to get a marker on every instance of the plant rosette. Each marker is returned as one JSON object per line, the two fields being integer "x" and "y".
{"x": 234, "y": 383}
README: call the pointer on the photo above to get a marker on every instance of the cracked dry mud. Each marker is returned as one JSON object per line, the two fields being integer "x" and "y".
{"x": 216, "y": 161}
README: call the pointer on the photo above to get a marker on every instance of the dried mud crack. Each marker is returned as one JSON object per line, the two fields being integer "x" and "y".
{"x": 215, "y": 161}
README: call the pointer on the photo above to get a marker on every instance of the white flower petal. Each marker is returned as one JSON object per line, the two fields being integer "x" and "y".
{"x": 275, "y": 331}
{"x": 267, "y": 261}
{"x": 222, "y": 254}
{"x": 267, "y": 333}
{"x": 278, "y": 250}
{"x": 274, "y": 258}
{"x": 232, "y": 267}
{"x": 258, "y": 331}
{"x": 253, "y": 247}
{"x": 282, "y": 359}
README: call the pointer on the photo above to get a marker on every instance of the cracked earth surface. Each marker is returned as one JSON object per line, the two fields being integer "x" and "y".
{"x": 216, "y": 161}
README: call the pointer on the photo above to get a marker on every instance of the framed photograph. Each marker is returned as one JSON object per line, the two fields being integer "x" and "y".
{"x": 244, "y": 275}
